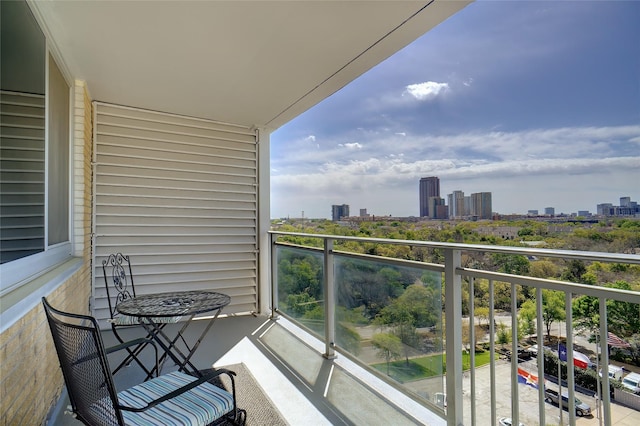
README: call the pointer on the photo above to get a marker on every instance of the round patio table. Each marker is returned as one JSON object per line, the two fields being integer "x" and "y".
{"x": 175, "y": 304}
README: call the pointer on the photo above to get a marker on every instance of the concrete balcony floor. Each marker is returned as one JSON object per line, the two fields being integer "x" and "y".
{"x": 305, "y": 387}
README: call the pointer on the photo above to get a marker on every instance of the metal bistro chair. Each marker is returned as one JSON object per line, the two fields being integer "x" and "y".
{"x": 118, "y": 281}
{"x": 171, "y": 399}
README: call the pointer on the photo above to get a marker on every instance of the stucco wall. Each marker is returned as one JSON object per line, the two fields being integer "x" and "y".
{"x": 30, "y": 377}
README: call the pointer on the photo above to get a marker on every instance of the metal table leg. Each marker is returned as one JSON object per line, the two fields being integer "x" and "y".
{"x": 169, "y": 345}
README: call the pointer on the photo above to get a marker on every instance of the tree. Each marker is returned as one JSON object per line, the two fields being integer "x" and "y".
{"x": 414, "y": 308}
{"x": 504, "y": 335}
{"x": 389, "y": 347}
{"x": 575, "y": 270}
{"x": 482, "y": 312}
{"x": 553, "y": 309}
{"x": 511, "y": 263}
{"x": 298, "y": 273}
{"x": 634, "y": 350}
{"x": 299, "y": 304}
{"x": 422, "y": 303}
{"x": 502, "y": 295}
{"x": 398, "y": 316}
{"x": 586, "y": 314}
{"x": 466, "y": 336}
{"x": 526, "y": 316}
{"x": 525, "y": 232}
{"x": 543, "y": 269}
{"x": 623, "y": 318}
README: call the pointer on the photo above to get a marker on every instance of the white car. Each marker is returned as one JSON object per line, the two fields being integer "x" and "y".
{"x": 632, "y": 382}
{"x": 506, "y": 421}
{"x": 534, "y": 349}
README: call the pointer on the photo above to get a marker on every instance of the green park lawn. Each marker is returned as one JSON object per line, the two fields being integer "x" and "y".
{"x": 426, "y": 366}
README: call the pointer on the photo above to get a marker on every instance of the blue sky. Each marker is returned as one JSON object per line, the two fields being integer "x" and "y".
{"x": 537, "y": 102}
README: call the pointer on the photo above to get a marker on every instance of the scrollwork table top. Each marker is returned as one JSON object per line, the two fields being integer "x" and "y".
{"x": 173, "y": 304}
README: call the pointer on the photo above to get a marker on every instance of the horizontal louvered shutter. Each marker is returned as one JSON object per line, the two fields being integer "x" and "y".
{"x": 22, "y": 154}
{"x": 179, "y": 196}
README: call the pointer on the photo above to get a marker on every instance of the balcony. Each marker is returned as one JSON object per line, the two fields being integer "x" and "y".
{"x": 321, "y": 359}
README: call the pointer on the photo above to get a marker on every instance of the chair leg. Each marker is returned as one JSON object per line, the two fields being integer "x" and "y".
{"x": 241, "y": 418}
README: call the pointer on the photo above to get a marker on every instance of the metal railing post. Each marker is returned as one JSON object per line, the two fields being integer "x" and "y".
{"x": 515, "y": 391}
{"x": 492, "y": 354}
{"x": 571, "y": 386}
{"x": 472, "y": 345}
{"x": 604, "y": 352}
{"x": 453, "y": 335}
{"x": 329, "y": 301}
{"x": 274, "y": 276}
{"x": 540, "y": 356}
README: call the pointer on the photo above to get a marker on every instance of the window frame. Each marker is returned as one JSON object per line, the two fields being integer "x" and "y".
{"x": 19, "y": 272}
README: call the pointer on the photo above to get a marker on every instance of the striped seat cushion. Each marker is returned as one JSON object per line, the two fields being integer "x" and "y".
{"x": 123, "y": 320}
{"x": 200, "y": 406}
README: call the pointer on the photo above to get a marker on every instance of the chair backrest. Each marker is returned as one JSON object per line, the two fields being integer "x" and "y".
{"x": 118, "y": 280}
{"x": 84, "y": 366}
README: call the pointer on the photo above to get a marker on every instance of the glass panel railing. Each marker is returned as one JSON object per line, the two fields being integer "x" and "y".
{"x": 300, "y": 287}
{"x": 389, "y": 318}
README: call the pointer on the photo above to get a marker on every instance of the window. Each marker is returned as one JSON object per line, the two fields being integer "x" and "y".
{"x": 34, "y": 150}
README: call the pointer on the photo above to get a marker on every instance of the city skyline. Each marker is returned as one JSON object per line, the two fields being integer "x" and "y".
{"x": 624, "y": 201}
{"x": 537, "y": 102}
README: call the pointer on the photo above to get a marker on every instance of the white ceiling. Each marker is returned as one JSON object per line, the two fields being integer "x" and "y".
{"x": 257, "y": 63}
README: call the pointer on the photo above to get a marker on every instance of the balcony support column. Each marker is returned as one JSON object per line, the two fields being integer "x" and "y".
{"x": 453, "y": 335}
{"x": 329, "y": 301}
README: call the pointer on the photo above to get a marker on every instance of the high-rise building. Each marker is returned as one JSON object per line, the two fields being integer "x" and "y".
{"x": 626, "y": 208}
{"x": 339, "y": 211}
{"x": 456, "y": 204}
{"x": 480, "y": 205}
{"x": 605, "y": 209}
{"x": 437, "y": 208}
{"x": 549, "y": 211}
{"x": 429, "y": 187}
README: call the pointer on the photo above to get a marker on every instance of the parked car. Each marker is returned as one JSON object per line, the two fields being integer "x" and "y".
{"x": 582, "y": 409}
{"x": 632, "y": 382}
{"x": 523, "y": 354}
{"x": 534, "y": 349}
{"x": 506, "y": 421}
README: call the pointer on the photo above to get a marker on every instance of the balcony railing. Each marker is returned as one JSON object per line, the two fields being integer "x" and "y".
{"x": 403, "y": 319}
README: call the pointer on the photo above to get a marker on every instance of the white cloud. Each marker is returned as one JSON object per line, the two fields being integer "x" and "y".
{"x": 426, "y": 91}
{"x": 352, "y": 145}
{"x": 516, "y": 185}
{"x": 310, "y": 138}
{"x": 473, "y": 149}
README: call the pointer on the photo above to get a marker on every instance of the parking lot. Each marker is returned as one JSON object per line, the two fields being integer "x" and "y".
{"x": 528, "y": 397}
